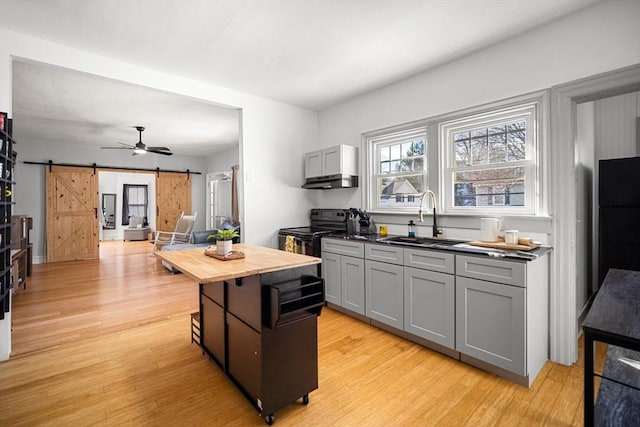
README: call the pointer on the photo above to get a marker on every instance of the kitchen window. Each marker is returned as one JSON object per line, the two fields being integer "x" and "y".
{"x": 398, "y": 165}
{"x": 489, "y": 161}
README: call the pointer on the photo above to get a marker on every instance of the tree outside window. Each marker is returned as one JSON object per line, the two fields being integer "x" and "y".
{"x": 490, "y": 160}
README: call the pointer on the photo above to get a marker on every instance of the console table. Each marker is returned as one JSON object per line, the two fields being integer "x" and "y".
{"x": 614, "y": 318}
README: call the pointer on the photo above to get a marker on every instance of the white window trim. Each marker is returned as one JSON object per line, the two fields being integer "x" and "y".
{"x": 435, "y": 161}
{"x": 389, "y": 136}
{"x": 529, "y": 111}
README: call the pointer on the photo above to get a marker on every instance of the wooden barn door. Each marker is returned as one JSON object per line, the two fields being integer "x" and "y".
{"x": 72, "y": 219}
{"x": 173, "y": 196}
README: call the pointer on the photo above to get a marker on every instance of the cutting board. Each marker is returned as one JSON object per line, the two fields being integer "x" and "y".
{"x": 523, "y": 245}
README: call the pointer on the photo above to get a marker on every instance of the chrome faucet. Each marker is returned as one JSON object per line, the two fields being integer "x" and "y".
{"x": 432, "y": 195}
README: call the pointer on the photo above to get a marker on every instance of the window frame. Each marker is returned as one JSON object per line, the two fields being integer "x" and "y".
{"x": 528, "y": 111}
{"x": 126, "y": 204}
{"x": 386, "y": 138}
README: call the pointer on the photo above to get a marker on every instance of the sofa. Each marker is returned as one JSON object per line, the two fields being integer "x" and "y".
{"x": 136, "y": 230}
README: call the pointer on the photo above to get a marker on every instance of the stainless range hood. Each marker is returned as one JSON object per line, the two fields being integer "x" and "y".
{"x": 331, "y": 181}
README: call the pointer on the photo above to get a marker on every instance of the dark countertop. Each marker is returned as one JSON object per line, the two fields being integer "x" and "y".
{"x": 462, "y": 247}
{"x": 616, "y": 309}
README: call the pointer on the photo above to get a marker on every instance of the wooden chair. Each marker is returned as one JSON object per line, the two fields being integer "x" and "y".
{"x": 181, "y": 234}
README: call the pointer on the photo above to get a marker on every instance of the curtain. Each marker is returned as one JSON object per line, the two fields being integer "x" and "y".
{"x": 135, "y": 201}
{"x": 235, "y": 215}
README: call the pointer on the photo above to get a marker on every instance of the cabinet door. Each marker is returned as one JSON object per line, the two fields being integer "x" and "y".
{"x": 313, "y": 164}
{"x": 384, "y": 293}
{"x": 212, "y": 329}
{"x": 331, "y": 273}
{"x": 245, "y": 356}
{"x": 490, "y": 323}
{"x": 331, "y": 161}
{"x": 429, "y": 305}
{"x": 352, "y": 279}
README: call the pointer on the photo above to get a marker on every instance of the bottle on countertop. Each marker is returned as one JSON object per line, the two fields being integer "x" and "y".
{"x": 411, "y": 229}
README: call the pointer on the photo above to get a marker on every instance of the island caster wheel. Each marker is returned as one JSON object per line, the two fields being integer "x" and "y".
{"x": 305, "y": 399}
{"x": 270, "y": 419}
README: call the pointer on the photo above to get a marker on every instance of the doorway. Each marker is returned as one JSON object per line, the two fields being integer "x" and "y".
{"x": 218, "y": 199}
{"x": 565, "y": 326}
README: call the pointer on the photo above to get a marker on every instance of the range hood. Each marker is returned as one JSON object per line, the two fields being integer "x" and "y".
{"x": 331, "y": 181}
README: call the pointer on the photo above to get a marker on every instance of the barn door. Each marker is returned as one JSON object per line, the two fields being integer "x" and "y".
{"x": 173, "y": 196}
{"x": 72, "y": 214}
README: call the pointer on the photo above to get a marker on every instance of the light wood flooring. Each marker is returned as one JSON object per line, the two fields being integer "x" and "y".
{"x": 107, "y": 342}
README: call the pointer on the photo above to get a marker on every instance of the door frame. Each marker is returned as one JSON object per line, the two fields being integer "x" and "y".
{"x": 564, "y": 325}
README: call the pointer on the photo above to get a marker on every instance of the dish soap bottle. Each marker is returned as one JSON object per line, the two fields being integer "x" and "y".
{"x": 412, "y": 229}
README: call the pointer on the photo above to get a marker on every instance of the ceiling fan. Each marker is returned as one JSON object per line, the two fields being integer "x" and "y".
{"x": 140, "y": 148}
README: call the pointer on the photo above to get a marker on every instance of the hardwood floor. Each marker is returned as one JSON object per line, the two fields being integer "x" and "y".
{"x": 107, "y": 342}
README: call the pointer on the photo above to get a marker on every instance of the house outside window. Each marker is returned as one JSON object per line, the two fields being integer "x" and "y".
{"x": 489, "y": 161}
{"x": 398, "y": 170}
{"x": 135, "y": 201}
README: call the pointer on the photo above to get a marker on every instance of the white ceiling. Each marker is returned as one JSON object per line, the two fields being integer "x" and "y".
{"x": 312, "y": 53}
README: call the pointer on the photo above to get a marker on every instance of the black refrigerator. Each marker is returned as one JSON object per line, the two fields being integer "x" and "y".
{"x": 619, "y": 215}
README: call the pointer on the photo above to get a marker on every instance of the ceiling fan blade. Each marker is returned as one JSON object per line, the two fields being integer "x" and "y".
{"x": 166, "y": 153}
{"x": 116, "y": 148}
{"x": 159, "y": 148}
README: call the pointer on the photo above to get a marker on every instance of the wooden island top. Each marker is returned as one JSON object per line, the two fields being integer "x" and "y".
{"x": 258, "y": 259}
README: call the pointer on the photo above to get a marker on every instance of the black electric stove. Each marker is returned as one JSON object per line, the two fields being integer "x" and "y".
{"x": 306, "y": 240}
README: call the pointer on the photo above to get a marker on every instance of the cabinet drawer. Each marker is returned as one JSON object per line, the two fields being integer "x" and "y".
{"x": 384, "y": 253}
{"x": 215, "y": 292}
{"x": 493, "y": 270}
{"x": 430, "y": 260}
{"x": 343, "y": 247}
{"x": 244, "y": 300}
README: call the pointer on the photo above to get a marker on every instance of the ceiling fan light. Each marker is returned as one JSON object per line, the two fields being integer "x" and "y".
{"x": 139, "y": 151}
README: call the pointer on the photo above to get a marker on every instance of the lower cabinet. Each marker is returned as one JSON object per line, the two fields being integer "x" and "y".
{"x": 245, "y": 355}
{"x": 384, "y": 292}
{"x": 212, "y": 329}
{"x": 490, "y": 323}
{"x": 344, "y": 275}
{"x": 429, "y": 301}
{"x": 212, "y": 323}
{"x": 262, "y": 331}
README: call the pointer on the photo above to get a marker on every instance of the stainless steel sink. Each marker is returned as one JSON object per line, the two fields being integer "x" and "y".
{"x": 423, "y": 242}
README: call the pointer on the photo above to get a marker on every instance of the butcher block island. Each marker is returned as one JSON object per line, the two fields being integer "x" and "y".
{"x": 258, "y": 320}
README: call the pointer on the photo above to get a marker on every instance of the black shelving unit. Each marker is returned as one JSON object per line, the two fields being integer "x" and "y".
{"x": 6, "y": 207}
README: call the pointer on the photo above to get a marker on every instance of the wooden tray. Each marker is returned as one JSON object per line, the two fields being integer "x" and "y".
{"x": 231, "y": 255}
{"x": 522, "y": 245}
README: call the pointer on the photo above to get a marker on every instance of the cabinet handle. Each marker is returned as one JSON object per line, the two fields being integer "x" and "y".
{"x": 239, "y": 282}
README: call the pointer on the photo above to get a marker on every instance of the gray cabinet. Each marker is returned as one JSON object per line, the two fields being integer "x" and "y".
{"x": 429, "y": 296}
{"x": 491, "y": 323}
{"x": 384, "y": 292}
{"x": 339, "y": 159}
{"x": 502, "y": 313}
{"x": 343, "y": 273}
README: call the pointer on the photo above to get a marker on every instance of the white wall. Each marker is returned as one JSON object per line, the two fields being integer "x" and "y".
{"x": 586, "y": 269}
{"x": 601, "y": 38}
{"x": 598, "y": 39}
{"x": 272, "y": 135}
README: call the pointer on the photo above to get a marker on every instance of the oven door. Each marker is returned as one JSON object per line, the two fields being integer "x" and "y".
{"x": 300, "y": 245}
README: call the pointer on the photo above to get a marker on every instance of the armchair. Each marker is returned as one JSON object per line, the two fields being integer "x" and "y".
{"x": 181, "y": 234}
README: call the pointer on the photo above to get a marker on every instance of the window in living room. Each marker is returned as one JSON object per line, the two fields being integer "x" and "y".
{"x": 135, "y": 201}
